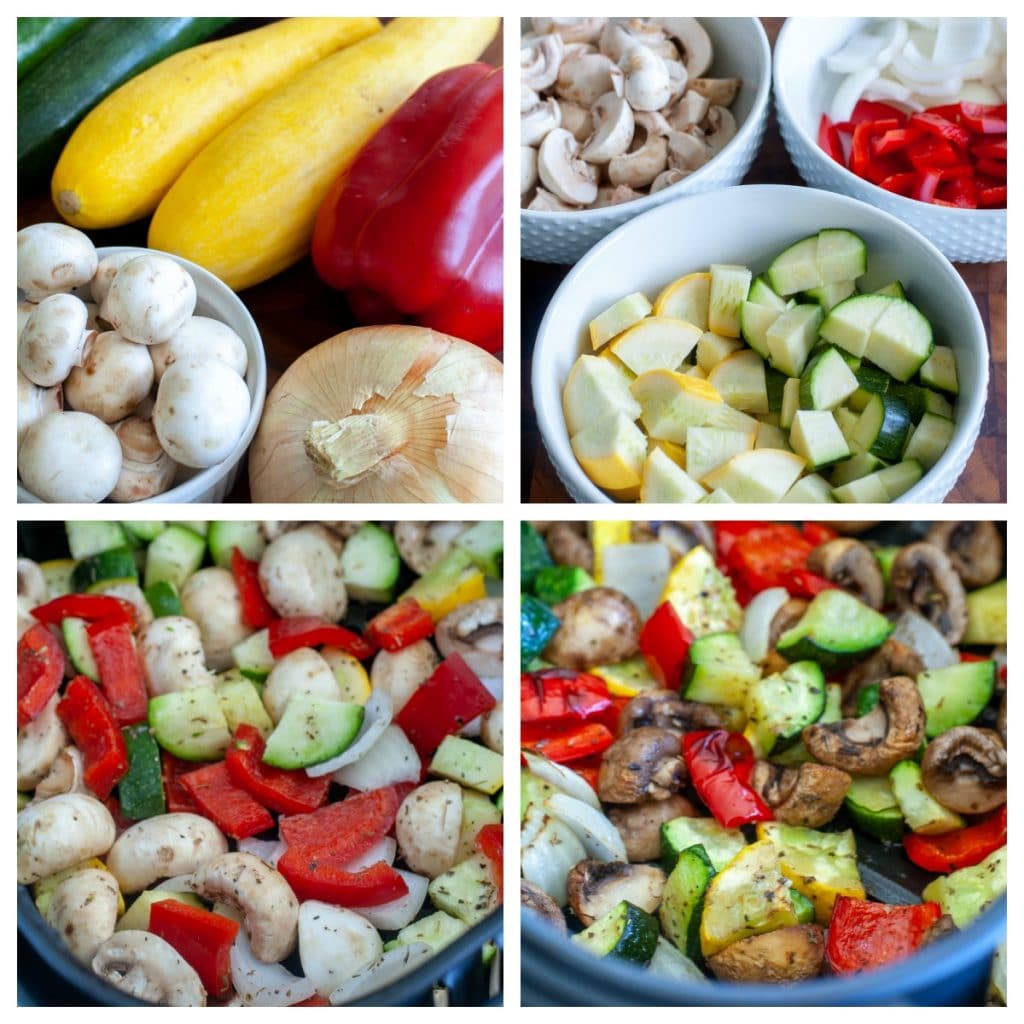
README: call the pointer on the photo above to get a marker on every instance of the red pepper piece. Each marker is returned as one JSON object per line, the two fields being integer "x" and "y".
{"x": 557, "y": 697}
{"x": 902, "y": 184}
{"x": 177, "y": 796}
{"x": 320, "y": 877}
{"x": 891, "y": 141}
{"x": 719, "y": 768}
{"x": 314, "y": 1000}
{"x": 576, "y": 742}
{"x": 231, "y": 809}
{"x": 279, "y": 789}
{"x": 589, "y": 769}
{"x": 665, "y": 644}
{"x": 930, "y": 153}
{"x": 256, "y": 610}
{"x": 801, "y": 583}
{"x": 764, "y": 555}
{"x": 993, "y": 168}
{"x": 927, "y": 186}
{"x": 992, "y": 196}
{"x": 121, "y": 823}
{"x": 982, "y": 119}
{"x": 875, "y": 110}
{"x": 344, "y": 830}
{"x": 863, "y": 935}
{"x": 91, "y": 723}
{"x": 201, "y": 938}
{"x": 91, "y": 607}
{"x": 400, "y": 625}
{"x": 287, "y": 635}
{"x": 610, "y": 717}
{"x": 959, "y": 190}
{"x": 490, "y": 842}
{"x": 40, "y": 671}
{"x": 941, "y": 127}
{"x": 450, "y": 698}
{"x": 119, "y": 669}
{"x": 991, "y": 147}
{"x": 828, "y": 139}
{"x": 963, "y": 848}
{"x": 818, "y": 533}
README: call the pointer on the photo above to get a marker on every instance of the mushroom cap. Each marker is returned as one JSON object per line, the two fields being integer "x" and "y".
{"x": 423, "y": 544}
{"x": 53, "y": 258}
{"x": 53, "y": 339}
{"x": 148, "y": 967}
{"x": 150, "y": 299}
{"x": 647, "y": 156}
{"x": 923, "y": 579}
{"x": 664, "y": 709}
{"x": 639, "y": 825}
{"x": 975, "y": 549}
{"x": 539, "y": 60}
{"x": 476, "y": 631}
{"x": 570, "y": 545}
{"x": 613, "y": 129}
{"x": 585, "y": 77}
{"x": 809, "y": 795}
{"x": 201, "y": 337}
{"x": 106, "y": 271}
{"x": 536, "y": 899}
{"x": 596, "y": 886}
{"x": 301, "y": 574}
{"x": 69, "y": 456}
{"x": 211, "y": 598}
{"x": 853, "y": 566}
{"x": 891, "y": 659}
{"x": 35, "y": 402}
{"x": 570, "y": 179}
{"x": 146, "y": 469}
{"x": 964, "y": 768}
{"x": 115, "y": 376}
{"x": 785, "y": 955}
{"x": 645, "y": 764}
{"x": 599, "y": 626}
{"x": 537, "y": 121}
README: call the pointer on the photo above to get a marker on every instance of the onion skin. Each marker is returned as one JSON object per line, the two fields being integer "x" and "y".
{"x": 383, "y": 414}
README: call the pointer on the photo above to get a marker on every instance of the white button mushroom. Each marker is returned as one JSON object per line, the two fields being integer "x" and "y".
{"x": 400, "y": 673}
{"x": 132, "y": 593}
{"x": 148, "y": 967}
{"x": 69, "y": 456}
{"x": 335, "y": 945}
{"x": 427, "y": 827}
{"x": 301, "y": 671}
{"x": 66, "y": 775}
{"x": 172, "y": 656}
{"x": 83, "y": 910}
{"x": 569, "y": 178}
{"x": 106, "y": 270}
{"x": 300, "y": 573}
{"x": 146, "y": 469}
{"x": 202, "y": 407}
{"x": 25, "y": 309}
{"x": 201, "y": 337}
{"x": 114, "y": 377}
{"x": 53, "y": 258}
{"x": 39, "y": 745}
{"x": 149, "y": 299}
{"x": 210, "y": 598}
{"x": 54, "y": 340}
{"x": 61, "y": 832}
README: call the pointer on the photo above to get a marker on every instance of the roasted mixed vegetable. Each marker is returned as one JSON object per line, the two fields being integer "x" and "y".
{"x": 722, "y": 726}
{"x": 259, "y": 764}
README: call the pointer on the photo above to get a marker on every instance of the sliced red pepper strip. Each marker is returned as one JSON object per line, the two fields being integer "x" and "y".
{"x": 801, "y": 583}
{"x": 929, "y": 153}
{"x": 828, "y": 139}
{"x": 91, "y": 607}
{"x": 576, "y": 742}
{"x": 992, "y": 196}
{"x": 177, "y": 796}
{"x": 558, "y": 697}
{"x": 279, "y": 789}
{"x": 720, "y": 778}
{"x": 231, "y": 809}
{"x": 319, "y": 877}
{"x": 345, "y": 830}
{"x": 490, "y": 842}
{"x": 201, "y": 938}
{"x": 864, "y": 935}
{"x": 120, "y": 670}
{"x": 40, "y": 671}
{"x": 256, "y": 610}
{"x": 993, "y": 168}
{"x": 891, "y": 141}
{"x": 875, "y": 110}
{"x": 941, "y": 127}
{"x": 903, "y": 184}
{"x": 963, "y": 848}
{"x": 665, "y": 644}
{"x": 994, "y": 148}
{"x": 818, "y": 533}
{"x": 982, "y": 119}
{"x": 589, "y": 769}
{"x": 399, "y": 626}
{"x": 287, "y": 635}
{"x": 764, "y": 555}
{"x": 91, "y": 723}
{"x": 927, "y": 186}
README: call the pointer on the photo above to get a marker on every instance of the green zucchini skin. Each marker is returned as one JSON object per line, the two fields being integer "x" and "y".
{"x": 39, "y": 37}
{"x": 62, "y": 89}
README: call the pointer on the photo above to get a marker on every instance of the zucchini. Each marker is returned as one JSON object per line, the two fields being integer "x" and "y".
{"x": 930, "y": 439}
{"x": 626, "y": 932}
{"x": 939, "y": 370}
{"x": 873, "y": 807}
{"x": 682, "y": 900}
{"x": 466, "y": 891}
{"x": 914, "y": 395}
{"x": 370, "y": 564}
{"x": 755, "y": 320}
{"x": 835, "y": 630}
{"x": 312, "y": 730}
{"x": 485, "y": 543}
{"x": 225, "y": 536}
{"x": 90, "y": 537}
{"x": 143, "y": 530}
{"x": 435, "y": 930}
{"x": 627, "y": 678}
{"x": 558, "y": 582}
{"x": 76, "y": 641}
{"x": 240, "y": 704}
{"x": 815, "y": 436}
{"x": 923, "y": 813}
{"x": 780, "y": 705}
{"x": 827, "y": 381}
{"x": 955, "y": 695}
{"x": 986, "y": 615}
{"x": 174, "y": 556}
{"x": 966, "y": 893}
{"x": 468, "y": 764}
{"x": 841, "y": 256}
{"x": 719, "y": 671}
{"x": 898, "y": 479}
{"x": 717, "y": 843}
{"x": 137, "y": 916}
{"x": 870, "y": 381}
{"x": 883, "y": 428}
{"x": 533, "y": 555}
{"x": 762, "y": 294}
{"x": 162, "y": 598}
{"x": 57, "y": 573}
{"x": 54, "y": 97}
{"x": 707, "y": 448}
{"x": 740, "y": 380}
{"x": 190, "y": 724}
{"x": 141, "y": 790}
{"x": 106, "y": 566}
{"x": 39, "y": 37}
{"x": 792, "y": 336}
{"x": 796, "y": 269}
{"x": 702, "y": 595}
{"x": 478, "y": 811}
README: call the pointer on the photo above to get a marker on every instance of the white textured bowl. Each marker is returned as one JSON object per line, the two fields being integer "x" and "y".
{"x": 741, "y": 49}
{"x": 216, "y": 300}
{"x": 749, "y": 225}
{"x": 803, "y": 91}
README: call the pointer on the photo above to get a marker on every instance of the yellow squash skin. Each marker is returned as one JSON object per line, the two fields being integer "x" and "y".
{"x": 245, "y": 207}
{"x": 129, "y": 150}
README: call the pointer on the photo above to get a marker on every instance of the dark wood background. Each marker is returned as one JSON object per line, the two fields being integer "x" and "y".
{"x": 984, "y": 479}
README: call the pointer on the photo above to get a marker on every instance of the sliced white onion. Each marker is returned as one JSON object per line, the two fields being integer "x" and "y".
{"x": 561, "y": 778}
{"x": 391, "y": 759}
{"x": 600, "y": 838}
{"x": 179, "y": 883}
{"x": 260, "y": 984}
{"x": 670, "y": 963}
{"x": 382, "y": 850}
{"x": 976, "y": 92}
{"x": 757, "y": 622}
{"x": 888, "y": 91}
{"x": 861, "y": 50}
{"x": 392, "y": 965}
{"x": 917, "y": 633}
{"x": 959, "y": 40}
{"x": 376, "y": 718}
{"x": 269, "y": 851}
{"x": 909, "y": 65}
{"x": 928, "y": 23}
{"x": 931, "y": 92}
{"x": 335, "y": 944}
{"x": 849, "y": 91}
{"x": 895, "y": 33}
{"x": 398, "y": 913}
{"x": 548, "y": 851}
{"x": 495, "y": 687}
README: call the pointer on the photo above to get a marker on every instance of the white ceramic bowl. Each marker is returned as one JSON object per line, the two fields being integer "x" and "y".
{"x": 741, "y": 49}
{"x": 803, "y": 90}
{"x": 216, "y": 300}
{"x": 749, "y": 225}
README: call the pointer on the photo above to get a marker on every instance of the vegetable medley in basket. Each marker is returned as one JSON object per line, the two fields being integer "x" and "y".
{"x": 720, "y": 723}
{"x": 271, "y": 780}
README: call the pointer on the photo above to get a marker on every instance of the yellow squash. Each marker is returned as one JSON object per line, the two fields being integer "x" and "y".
{"x": 245, "y": 207}
{"x": 126, "y": 154}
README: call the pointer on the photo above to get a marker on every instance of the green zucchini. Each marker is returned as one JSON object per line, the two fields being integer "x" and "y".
{"x": 558, "y": 582}
{"x": 312, "y": 730}
{"x": 533, "y": 555}
{"x": 683, "y": 900}
{"x": 174, "y": 556}
{"x": 719, "y": 844}
{"x": 883, "y": 427}
{"x": 62, "y": 89}
{"x": 224, "y": 536}
{"x": 90, "y": 537}
{"x": 370, "y": 564}
{"x": 719, "y": 671}
{"x": 955, "y": 695}
{"x": 625, "y": 932}
{"x": 141, "y": 791}
{"x": 986, "y": 615}
{"x": 39, "y": 37}
{"x": 76, "y": 641}
{"x": 190, "y": 724}
{"x": 923, "y": 813}
{"x": 485, "y": 542}
{"x": 964, "y": 894}
{"x": 872, "y": 806}
{"x": 780, "y": 705}
{"x": 106, "y": 566}
{"x": 162, "y": 598}
{"x": 835, "y": 630}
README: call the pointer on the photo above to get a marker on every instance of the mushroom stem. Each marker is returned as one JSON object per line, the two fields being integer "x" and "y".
{"x": 350, "y": 449}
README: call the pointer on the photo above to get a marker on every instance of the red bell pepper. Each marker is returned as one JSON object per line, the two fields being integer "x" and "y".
{"x": 801, "y": 583}
{"x": 903, "y": 183}
{"x": 935, "y": 124}
{"x": 344, "y": 830}
{"x": 287, "y": 635}
{"x": 256, "y": 610}
{"x": 891, "y": 141}
{"x": 763, "y": 555}
{"x": 558, "y": 697}
{"x": 319, "y": 877}
{"x": 992, "y": 196}
{"x": 177, "y": 796}
{"x": 400, "y": 625}
{"x": 875, "y": 110}
{"x": 91, "y": 607}
{"x": 864, "y": 935}
{"x": 201, "y": 938}
{"x": 589, "y": 769}
{"x": 40, "y": 671}
{"x": 828, "y": 139}
{"x": 490, "y": 842}
{"x": 231, "y": 809}
{"x": 450, "y": 698}
{"x": 665, "y": 644}
{"x": 278, "y": 789}
{"x": 927, "y": 185}
{"x": 120, "y": 670}
{"x": 719, "y": 764}
{"x": 982, "y": 119}
{"x": 91, "y": 724}
{"x": 959, "y": 849}
{"x": 995, "y": 149}
{"x": 818, "y": 533}
{"x": 314, "y": 1000}
{"x": 570, "y": 744}
{"x": 413, "y": 229}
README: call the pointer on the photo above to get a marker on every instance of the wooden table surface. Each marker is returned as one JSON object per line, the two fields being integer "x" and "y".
{"x": 294, "y": 311}
{"x": 984, "y": 479}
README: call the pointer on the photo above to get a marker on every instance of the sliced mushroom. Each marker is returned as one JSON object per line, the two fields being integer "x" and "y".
{"x": 648, "y": 85}
{"x": 614, "y": 195}
{"x": 646, "y": 158}
{"x": 600, "y": 626}
{"x": 584, "y": 78}
{"x": 572, "y": 30}
{"x": 476, "y": 631}
{"x": 975, "y": 549}
{"x": 687, "y": 151}
{"x": 539, "y": 60}
{"x": 1001, "y": 719}
{"x": 648, "y": 34}
{"x": 782, "y": 956}
{"x": 693, "y": 40}
{"x": 810, "y": 795}
{"x": 786, "y": 618}
{"x": 535, "y": 123}
{"x": 570, "y": 545}
{"x": 720, "y": 129}
{"x": 670, "y": 177}
{"x": 147, "y": 967}
{"x": 639, "y": 825}
{"x": 891, "y": 659}
{"x": 645, "y": 764}
{"x": 615, "y": 40}
{"x": 423, "y": 544}
{"x": 595, "y": 887}
{"x": 852, "y": 565}
{"x": 872, "y": 744}
{"x": 613, "y": 129}
{"x": 545, "y": 201}
{"x": 664, "y": 709}
{"x": 690, "y": 111}
{"x": 527, "y": 169}
{"x": 719, "y": 92}
{"x": 923, "y": 578}
{"x": 571, "y": 179}
{"x": 535, "y": 899}
{"x": 577, "y": 120}
{"x": 964, "y": 768}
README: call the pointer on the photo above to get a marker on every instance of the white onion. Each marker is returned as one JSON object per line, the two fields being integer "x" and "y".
{"x": 858, "y": 52}
{"x": 335, "y": 944}
{"x": 909, "y": 70}
{"x": 561, "y": 778}
{"x": 931, "y": 91}
{"x": 917, "y": 633}
{"x": 886, "y": 90}
{"x": 599, "y": 836}
{"x": 179, "y": 883}
{"x": 897, "y": 36}
{"x": 391, "y": 759}
{"x": 270, "y": 851}
{"x": 670, "y": 963}
{"x": 382, "y": 850}
{"x": 398, "y": 913}
{"x": 757, "y": 622}
{"x": 958, "y": 40}
{"x": 376, "y": 718}
{"x": 260, "y": 984}
{"x": 392, "y": 965}
{"x": 548, "y": 851}
{"x": 849, "y": 91}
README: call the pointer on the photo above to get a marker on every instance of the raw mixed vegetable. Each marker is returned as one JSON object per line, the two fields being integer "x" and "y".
{"x": 790, "y": 386}
{"x": 731, "y": 732}
{"x": 259, "y": 764}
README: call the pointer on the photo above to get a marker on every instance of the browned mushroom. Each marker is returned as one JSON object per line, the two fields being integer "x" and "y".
{"x": 476, "y": 631}
{"x": 600, "y": 626}
{"x": 810, "y": 795}
{"x": 639, "y": 825}
{"x": 646, "y": 764}
{"x": 975, "y": 549}
{"x": 596, "y": 886}
{"x": 923, "y": 578}
{"x": 851, "y": 528}
{"x": 891, "y": 659}
{"x": 784, "y": 955}
{"x": 664, "y": 710}
{"x": 785, "y": 619}
{"x": 1001, "y": 719}
{"x": 965, "y": 769}
{"x": 569, "y": 545}
{"x": 940, "y": 929}
{"x": 852, "y": 565}
{"x": 873, "y": 743}
{"x": 534, "y": 898}
{"x": 678, "y": 537}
